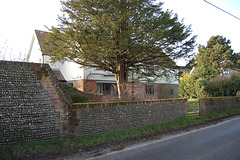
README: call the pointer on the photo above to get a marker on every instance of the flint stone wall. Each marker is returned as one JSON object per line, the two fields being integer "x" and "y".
{"x": 33, "y": 107}
{"x": 218, "y": 104}
{"x": 96, "y": 120}
{"x": 26, "y": 110}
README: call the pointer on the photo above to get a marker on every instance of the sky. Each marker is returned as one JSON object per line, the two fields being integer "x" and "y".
{"x": 19, "y": 19}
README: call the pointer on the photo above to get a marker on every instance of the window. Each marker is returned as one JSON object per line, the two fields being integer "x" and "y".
{"x": 107, "y": 89}
{"x": 149, "y": 89}
{"x": 171, "y": 92}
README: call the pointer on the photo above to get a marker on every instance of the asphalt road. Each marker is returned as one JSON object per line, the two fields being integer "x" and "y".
{"x": 217, "y": 142}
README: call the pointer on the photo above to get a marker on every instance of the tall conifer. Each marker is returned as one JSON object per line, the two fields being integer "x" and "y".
{"x": 216, "y": 58}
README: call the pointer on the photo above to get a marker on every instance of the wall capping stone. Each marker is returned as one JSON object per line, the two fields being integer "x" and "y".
{"x": 118, "y": 103}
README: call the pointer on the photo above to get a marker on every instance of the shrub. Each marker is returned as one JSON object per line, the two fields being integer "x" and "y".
{"x": 77, "y": 98}
{"x": 74, "y": 95}
{"x": 227, "y": 86}
{"x": 217, "y": 87}
{"x": 189, "y": 87}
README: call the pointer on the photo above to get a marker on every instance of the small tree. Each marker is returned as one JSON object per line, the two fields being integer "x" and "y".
{"x": 189, "y": 87}
{"x": 185, "y": 86}
{"x": 119, "y": 36}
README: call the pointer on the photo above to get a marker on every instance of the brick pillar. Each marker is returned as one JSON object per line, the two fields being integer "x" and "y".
{"x": 60, "y": 108}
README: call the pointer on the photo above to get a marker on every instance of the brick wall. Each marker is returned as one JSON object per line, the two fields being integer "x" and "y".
{"x": 167, "y": 91}
{"x": 56, "y": 92}
{"x": 94, "y": 120}
{"x": 79, "y": 84}
{"x": 92, "y": 97}
{"x": 84, "y": 86}
{"x": 136, "y": 91}
{"x": 218, "y": 104}
{"x": 60, "y": 105}
{"x": 110, "y": 98}
{"x": 26, "y": 110}
{"x": 90, "y": 86}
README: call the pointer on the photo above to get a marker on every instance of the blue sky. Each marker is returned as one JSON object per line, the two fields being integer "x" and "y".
{"x": 20, "y": 18}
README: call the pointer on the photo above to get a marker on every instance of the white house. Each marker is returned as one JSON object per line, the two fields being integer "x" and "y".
{"x": 101, "y": 82}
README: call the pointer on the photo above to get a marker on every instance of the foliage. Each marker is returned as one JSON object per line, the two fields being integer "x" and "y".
{"x": 185, "y": 86}
{"x": 26, "y": 150}
{"x": 76, "y": 97}
{"x": 189, "y": 87}
{"x": 120, "y": 37}
{"x": 200, "y": 91}
{"x": 216, "y": 58}
{"x": 212, "y": 63}
{"x": 227, "y": 86}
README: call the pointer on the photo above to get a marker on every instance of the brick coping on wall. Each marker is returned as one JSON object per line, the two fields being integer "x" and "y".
{"x": 118, "y": 103}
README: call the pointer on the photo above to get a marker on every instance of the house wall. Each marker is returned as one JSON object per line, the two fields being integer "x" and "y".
{"x": 35, "y": 55}
{"x": 167, "y": 91}
{"x": 218, "y": 104}
{"x": 79, "y": 84}
{"x": 110, "y": 98}
{"x": 136, "y": 91}
{"x": 98, "y": 75}
{"x": 102, "y": 119}
{"x": 90, "y": 86}
{"x": 71, "y": 70}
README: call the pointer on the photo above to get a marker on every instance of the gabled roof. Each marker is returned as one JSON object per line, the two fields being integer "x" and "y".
{"x": 41, "y": 36}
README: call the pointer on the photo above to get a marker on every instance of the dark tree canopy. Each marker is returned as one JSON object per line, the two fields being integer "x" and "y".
{"x": 119, "y": 36}
{"x": 215, "y": 58}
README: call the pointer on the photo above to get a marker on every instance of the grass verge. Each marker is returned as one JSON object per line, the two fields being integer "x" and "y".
{"x": 28, "y": 149}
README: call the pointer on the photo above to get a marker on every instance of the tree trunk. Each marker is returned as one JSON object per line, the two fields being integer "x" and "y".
{"x": 122, "y": 81}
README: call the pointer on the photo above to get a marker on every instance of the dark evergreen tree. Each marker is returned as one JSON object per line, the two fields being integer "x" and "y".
{"x": 216, "y": 58}
{"x": 119, "y": 36}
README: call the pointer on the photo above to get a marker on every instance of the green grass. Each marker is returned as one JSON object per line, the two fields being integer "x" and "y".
{"x": 193, "y": 103}
{"x": 193, "y": 108}
{"x": 26, "y": 149}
